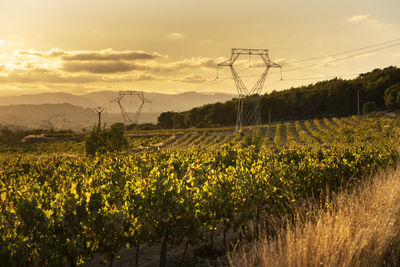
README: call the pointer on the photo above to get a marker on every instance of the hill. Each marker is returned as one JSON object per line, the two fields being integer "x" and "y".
{"x": 160, "y": 102}
{"x": 33, "y": 111}
{"x": 379, "y": 88}
{"x": 68, "y": 116}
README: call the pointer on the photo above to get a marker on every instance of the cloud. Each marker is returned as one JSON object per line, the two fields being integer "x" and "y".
{"x": 144, "y": 77}
{"x": 48, "y": 76}
{"x": 284, "y": 62}
{"x": 190, "y": 79}
{"x": 92, "y": 55}
{"x": 196, "y": 62}
{"x": 100, "y": 67}
{"x": 112, "y": 55}
{"x": 327, "y": 63}
{"x": 176, "y": 35}
{"x": 53, "y": 53}
{"x": 42, "y": 76}
{"x": 363, "y": 18}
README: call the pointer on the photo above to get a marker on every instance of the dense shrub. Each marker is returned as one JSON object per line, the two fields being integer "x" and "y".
{"x": 369, "y": 107}
{"x": 106, "y": 140}
{"x": 392, "y": 97}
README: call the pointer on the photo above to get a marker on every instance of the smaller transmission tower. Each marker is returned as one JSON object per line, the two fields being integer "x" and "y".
{"x": 99, "y": 110}
{"x": 248, "y": 113}
{"x": 56, "y": 121}
{"x": 125, "y": 114}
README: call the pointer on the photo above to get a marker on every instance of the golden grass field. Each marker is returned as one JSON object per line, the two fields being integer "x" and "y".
{"x": 360, "y": 227}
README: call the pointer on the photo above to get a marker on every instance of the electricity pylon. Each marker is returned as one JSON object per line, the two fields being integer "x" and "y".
{"x": 99, "y": 110}
{"x": 56, "y": 121}
{"x": 250, "y": 113}
{"x": 125, "y": 114}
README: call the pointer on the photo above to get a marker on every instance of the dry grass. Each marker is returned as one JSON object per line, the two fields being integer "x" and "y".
{"x": 358, "y": 228}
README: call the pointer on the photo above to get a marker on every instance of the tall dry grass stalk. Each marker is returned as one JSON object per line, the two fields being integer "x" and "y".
{"x": 357, "y": 228}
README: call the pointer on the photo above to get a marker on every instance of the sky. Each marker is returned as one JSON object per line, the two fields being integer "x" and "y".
{"x": 174, "y": 46}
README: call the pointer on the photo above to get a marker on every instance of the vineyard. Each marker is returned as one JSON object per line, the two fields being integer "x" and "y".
{"x": 178, "y": 187}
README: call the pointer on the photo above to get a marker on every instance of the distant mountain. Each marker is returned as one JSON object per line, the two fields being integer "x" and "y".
{"x": 65, "y": 115}
{"x": 160, "y": 102}
{"x": 74, "y": 111}
{"x": 46, "y": 115}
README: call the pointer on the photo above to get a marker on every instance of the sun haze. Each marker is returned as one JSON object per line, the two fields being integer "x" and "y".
{"x": 174, "y": 46}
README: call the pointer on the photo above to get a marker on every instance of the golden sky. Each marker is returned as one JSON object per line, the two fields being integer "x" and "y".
{"x": 173, "y": 46}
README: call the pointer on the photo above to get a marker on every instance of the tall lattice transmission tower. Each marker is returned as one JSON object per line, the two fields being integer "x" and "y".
{"x": 248, "y": 113}
{"x": 125, "y": 114}
{"x": 56, "y": 121}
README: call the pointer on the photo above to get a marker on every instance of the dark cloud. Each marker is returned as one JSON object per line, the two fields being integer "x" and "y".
{"x": 53, "y": 53}
{"x": 99, "y": 55}
{"x": 144, "y": 77}
{"x": 100, "y": 67}
{"x": 196, "y": 62}
{"x": 42, "y": 75}
{"x": 111, "y": 55}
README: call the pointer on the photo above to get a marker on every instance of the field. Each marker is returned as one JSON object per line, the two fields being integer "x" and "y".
{"x": 174, "y": 187}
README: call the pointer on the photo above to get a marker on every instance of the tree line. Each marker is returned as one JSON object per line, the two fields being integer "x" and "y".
{"x": 378, "y": 90}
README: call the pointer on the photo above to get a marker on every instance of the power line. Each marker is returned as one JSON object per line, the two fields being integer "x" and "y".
{"x": 391, "y": 43}
{"x": 335, "y": 60}
{"x": 344, "y": 58}
{"x": 345, "y": 52}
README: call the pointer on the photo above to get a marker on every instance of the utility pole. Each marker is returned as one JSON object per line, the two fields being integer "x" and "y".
{"x": 99, "y": 110}
{"x": 358, "y": 101}
{"x": 250, "y": 113}
{"x": 269, "y": 116}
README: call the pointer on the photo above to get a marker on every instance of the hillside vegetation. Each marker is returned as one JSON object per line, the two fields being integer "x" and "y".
{"x": 379, "y": 89}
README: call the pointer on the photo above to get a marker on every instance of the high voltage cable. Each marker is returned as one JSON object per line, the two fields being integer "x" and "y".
{"x": 335, "y": 60}
{"x": 214, "y": 81}
{"x": 346, "y": 57}
{"x": 391, "y": 43}
{"x": 345, "y": 52}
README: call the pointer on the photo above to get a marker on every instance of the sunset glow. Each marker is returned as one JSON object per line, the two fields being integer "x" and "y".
{"x": 174, "y": 46}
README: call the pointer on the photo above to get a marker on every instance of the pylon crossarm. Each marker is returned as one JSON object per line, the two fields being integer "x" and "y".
{"x": 234, "y": 57}
{"x": 250, "y": 51}
{"x": 225, "y": 63}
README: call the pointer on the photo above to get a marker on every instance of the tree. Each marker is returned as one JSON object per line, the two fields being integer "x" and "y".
{"x": 335, "y": 97}
{"x": 369, "y": 107}
{"x": 106, "y": 140}
{"x": 392, "y": 97}
{"x": 165, "y": 120}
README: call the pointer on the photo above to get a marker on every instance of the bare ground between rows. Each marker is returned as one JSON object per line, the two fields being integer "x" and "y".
{"x": 200, "y": 256}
